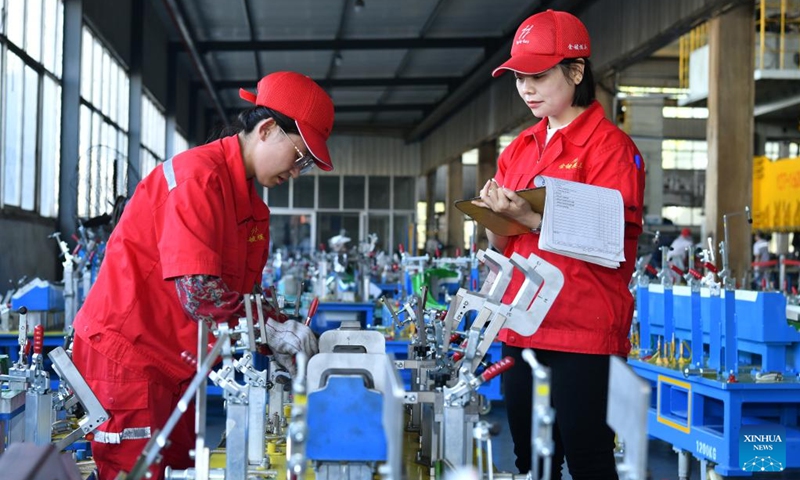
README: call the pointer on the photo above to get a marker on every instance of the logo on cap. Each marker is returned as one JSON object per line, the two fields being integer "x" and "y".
{"x": 524, "y": 33}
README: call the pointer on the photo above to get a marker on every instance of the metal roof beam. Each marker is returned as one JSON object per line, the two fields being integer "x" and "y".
{"x": 348, "y": 44}
{"x": 400, "y": 107}
{"x": 187, "y": 39}
{"x": 356, "y": 82}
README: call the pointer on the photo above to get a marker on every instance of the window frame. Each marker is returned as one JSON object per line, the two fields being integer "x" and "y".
{"x": 37, "y": 166}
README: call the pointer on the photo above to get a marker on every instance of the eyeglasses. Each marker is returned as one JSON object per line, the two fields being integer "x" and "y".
{"x": 304, "y": 162}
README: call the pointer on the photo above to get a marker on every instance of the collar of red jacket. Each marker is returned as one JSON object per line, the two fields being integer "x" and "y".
{"x": 579, "y": 130}
{"x": 245, "y": 191}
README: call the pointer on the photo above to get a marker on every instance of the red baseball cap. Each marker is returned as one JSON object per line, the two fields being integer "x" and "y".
{"x": 301, "y": 99}
{"x": 686, "y": 232}
{"x": 545, "y": 39}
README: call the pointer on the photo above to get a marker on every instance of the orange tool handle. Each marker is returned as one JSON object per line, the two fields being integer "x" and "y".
{"x": 312, "y": 310}
{"x": 497, "y": 368}
{"x": 38, "y": 339}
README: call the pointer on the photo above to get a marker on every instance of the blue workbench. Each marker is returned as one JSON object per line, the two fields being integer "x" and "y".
{"x": 331, "y": 314}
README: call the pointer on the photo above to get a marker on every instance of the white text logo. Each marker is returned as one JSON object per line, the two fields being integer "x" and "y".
{"x": 524, "y": 33}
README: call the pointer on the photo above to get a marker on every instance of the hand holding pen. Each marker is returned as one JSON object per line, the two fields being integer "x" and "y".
{"x": 506, "y": 201}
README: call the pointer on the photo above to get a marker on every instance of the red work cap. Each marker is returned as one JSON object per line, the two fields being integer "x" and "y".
{"x": 686, "y": 232}
{"x": 545, "y": 39}
{"x": 301, "y": 99}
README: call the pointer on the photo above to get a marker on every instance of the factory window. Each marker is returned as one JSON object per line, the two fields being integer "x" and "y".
{"x": 278, "y": 196}
{"x": 179, "y": 143}
{"x": 684, "y": 112}
{"x": 103, "y": 163}
{"x": 684, "y": 215}
{"x": 404, "y": 230}
{"x": 354, "y": 187}
{"x": 380, "y": 225}
{"x": 379, "y": 192}
{"x": 290, "y": 235}
{"x": 341, "y": 204}
{"x": 329, "y": 191}
{"x": 684, "y": 154}
{"x": 330, "y": 224}
{"x": 404, "y": 193}
{"x": 776, "y": 150}
{"x": 303, "y": 196}
{"x": 30, "y": 97}
{"x": 154, "y": 135}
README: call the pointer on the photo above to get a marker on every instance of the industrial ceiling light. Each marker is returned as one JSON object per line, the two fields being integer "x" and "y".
{"x": 358, "y": 5}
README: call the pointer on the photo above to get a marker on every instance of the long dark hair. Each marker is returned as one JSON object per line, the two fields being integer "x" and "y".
{"x": 247, "y": 120}
{"x": 584, "y": 91}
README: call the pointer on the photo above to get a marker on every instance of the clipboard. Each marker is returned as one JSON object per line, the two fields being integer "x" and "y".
{"x": 497, "y": 222}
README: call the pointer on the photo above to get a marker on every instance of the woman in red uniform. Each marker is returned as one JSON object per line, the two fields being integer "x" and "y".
{"x": 191, "y": 242}
{"x": 590, "y": 319}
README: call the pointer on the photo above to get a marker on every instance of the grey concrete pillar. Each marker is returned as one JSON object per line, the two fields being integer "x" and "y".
{"x": 729, "y": 178}
{"x": 644, "y": 121}
{"x": 70, "y": 118}
{"x": 135, "y": 96}
{"x": 172, "y": 94}
{"x": 487, "y": 166}
{"x": 604, "y": 93}
{"x": 431, "y": 227}
{"x": 455, "y": 218}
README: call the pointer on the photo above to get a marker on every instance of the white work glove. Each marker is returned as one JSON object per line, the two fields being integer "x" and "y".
{"x": 286, "y": 339}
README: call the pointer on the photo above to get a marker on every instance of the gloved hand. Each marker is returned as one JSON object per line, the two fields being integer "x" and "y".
{"x": 287, "y": 338}
{"x": 271, "y": 312}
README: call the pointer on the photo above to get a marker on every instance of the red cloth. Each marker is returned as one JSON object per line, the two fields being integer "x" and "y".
{"x": 593, "y": 312}
{"x": 208, "y": 299}
{"x": 134, "y": 405}
{"x": 195, "y": 214}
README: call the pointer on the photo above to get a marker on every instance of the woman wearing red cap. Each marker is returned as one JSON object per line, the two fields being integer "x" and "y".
{"x": 590, "y": 319}
{"x": 191, "y": 242}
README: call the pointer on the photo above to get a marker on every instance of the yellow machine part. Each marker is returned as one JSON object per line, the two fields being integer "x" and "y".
{"x": 776, "y": 194}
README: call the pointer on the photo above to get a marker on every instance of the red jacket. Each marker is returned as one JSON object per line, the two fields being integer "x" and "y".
{"x": 593, "y": 312}
{"x": 195, "y": 214}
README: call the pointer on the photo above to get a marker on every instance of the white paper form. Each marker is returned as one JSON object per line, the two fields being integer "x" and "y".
{"x": 582, "y": 221}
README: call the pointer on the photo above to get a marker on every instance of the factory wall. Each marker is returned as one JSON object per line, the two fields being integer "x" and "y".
{"x": 112, "y": 22}
{"x": 368, "y": 155}
{"x": 27, "y": 251}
